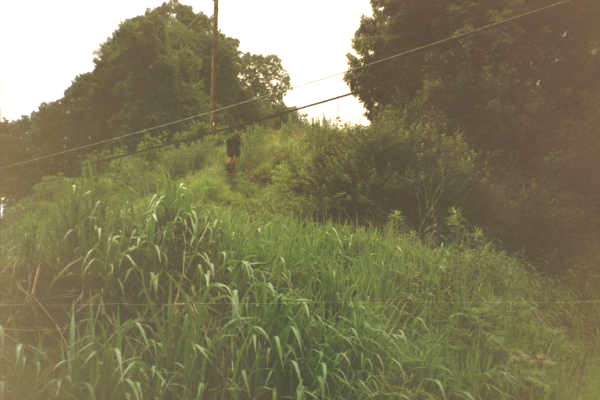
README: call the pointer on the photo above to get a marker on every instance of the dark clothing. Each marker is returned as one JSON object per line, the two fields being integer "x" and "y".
{"x": 234, "y": 145}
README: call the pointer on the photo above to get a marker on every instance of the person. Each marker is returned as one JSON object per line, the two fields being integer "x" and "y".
{"x": 2, "y": 207}
{"x": 234, "y": 147}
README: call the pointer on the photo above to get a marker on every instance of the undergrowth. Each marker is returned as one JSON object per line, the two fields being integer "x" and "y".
{"x": 116, "y": 286}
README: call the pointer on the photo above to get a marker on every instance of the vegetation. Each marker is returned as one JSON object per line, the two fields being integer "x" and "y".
{"x": 519, "y": 94}
{"x": 126, "y": 283}
{"x": 430, "y": 255}
{"x": 155, "y": 68}
{"x": 420, "y": 169}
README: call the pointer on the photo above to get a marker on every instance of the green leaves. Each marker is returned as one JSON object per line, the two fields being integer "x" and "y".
{"x": 502, "y": 86}
{"x": 264, "y": 76}
{"x": 522, "y": 96}
{"x": 419, "y": 167}
{"x": 154, "y": 69}
{"x": 187, "y": 298}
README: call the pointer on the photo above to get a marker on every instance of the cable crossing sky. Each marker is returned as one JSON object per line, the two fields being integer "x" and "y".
{"x": 292, "y": 109}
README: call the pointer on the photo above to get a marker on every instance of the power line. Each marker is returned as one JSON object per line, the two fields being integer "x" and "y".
{"x": 417, "y": 49}
{"x": 131, "y": 134}
{"x": 429, "y": 45}
{"x": 251, "y": 100}
{"x": 440, "y": 42}
{"x": 114, "y": 139}
{"x": 142, "y": 131}
{"x": 221, "y": 130}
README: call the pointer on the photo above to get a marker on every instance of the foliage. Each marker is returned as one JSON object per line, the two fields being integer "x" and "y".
{"x": 420, "y": 168}
{"x": 522, "y": 94}
{"x": 171, "y": 296}
{"x": 15, "y": 144}
{"x": 160, "y": 276}
{"x": 506, "y": 88}
{"x": 155, "y": 68}
{"x": 264, "y": 77}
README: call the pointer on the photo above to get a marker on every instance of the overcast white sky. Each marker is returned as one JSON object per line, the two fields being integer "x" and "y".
{"x": 45, "y": 44}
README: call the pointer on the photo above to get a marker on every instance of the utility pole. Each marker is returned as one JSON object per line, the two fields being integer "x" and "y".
{"x": 213, "y": 67}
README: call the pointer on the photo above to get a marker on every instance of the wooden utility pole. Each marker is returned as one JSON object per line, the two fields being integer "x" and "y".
{"x": 213, "y": 67}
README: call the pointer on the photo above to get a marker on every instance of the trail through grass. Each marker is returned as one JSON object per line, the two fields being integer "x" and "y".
{"x": 193, "y": 289}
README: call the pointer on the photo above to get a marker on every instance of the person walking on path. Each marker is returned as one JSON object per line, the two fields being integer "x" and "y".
{"x": 234, "y": 147}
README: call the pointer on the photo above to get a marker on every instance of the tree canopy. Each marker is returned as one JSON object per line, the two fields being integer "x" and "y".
{"x": 524, "y": 94}
{"x": 506, "y": 88}
{"x": 155, "y": 68}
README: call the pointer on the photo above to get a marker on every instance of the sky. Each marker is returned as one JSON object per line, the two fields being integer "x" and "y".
{"x": 44, "y": 45}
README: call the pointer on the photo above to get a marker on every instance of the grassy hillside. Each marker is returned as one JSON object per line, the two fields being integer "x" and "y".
{"x": 158, "y": 277}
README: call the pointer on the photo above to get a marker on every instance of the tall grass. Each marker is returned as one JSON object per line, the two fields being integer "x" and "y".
{"x": 172, "y": 296}
{"x": 130, "y": 284}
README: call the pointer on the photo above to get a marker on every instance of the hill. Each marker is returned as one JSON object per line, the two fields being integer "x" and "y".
{"x": 160, "y": 276}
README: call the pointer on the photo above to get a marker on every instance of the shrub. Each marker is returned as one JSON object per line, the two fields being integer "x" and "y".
{"x": 419, "y": 167}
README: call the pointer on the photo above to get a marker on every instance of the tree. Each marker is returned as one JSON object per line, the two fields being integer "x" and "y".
{"x": 419, "y": 167}
{"x": 264, "y": 76}
{"x": 155, "y": 68}
{"x": 505, "y": 88}
{"x": 523, "y": 94}
{"x": 15, "y": 145}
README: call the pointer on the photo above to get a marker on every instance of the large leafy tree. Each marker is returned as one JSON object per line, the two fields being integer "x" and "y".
{"x": 506, "y": 88}
{"x": 524, "y": 94}
{"x": 155, "y": 68}
{"x": 264, "y": 78}
{"x": 15, "y": 144}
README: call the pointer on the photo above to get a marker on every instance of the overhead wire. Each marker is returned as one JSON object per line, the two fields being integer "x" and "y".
{"x": 256, "y": 98}
{"x": 440, "y": 42}
{"x": 223, "y": 129}
{"x": 276, "y": 115}
{"x": 108, "y": 141}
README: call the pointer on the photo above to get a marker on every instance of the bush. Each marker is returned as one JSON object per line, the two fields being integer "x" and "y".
{"x": 550, "y": 229}
{"x": 418, "y": 167}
